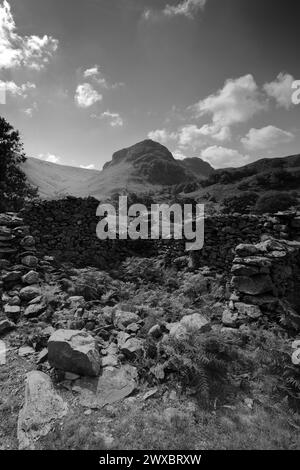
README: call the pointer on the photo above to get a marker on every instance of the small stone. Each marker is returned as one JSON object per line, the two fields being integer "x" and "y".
{"x": 32, "y": 277}
{"x": 132, "y": 346}
{"x": 230, "y": 318}
{"x": 133, "y": 328}
{"x": 155, "y": 331}
{"x": 110, "y": 361}
{"x": 123, "y": 319}
{"x": 26, "y": 351}
{"x": 35, "y": 310}
{"x": 30, "y": 293}
{"x": 30, "y": 261}
{"x": 72, "y": 377}
{"x": 12, "y": 311}
{"x": 14, "y": 301}
{"x": 6, "y": 326}
{"x": 43, "y": 356}
{"x": 251, "y": 311}
{"x": 13, "y": 276}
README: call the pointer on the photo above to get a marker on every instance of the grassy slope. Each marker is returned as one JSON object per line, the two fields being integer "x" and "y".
{"x": 55, "y": 181}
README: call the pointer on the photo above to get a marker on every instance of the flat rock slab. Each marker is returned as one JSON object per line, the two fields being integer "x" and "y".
{"x": 42, "y": 408}
{"x": 111, "y": 387}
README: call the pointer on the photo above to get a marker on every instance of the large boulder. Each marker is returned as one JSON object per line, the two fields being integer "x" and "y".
{"x": 74, "y": 351}
{"x": 43, "y": 407}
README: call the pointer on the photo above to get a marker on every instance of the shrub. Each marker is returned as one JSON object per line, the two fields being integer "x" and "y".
{"x": 274, "y": 201}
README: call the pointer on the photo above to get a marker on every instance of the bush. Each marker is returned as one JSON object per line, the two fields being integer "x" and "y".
{"x": 274, "y": 201}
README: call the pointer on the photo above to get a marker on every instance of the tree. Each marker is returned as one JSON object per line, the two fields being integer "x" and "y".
{"x": 14, "y": 188}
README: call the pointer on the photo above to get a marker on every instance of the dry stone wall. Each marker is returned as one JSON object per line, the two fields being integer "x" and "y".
{"x": 66, "y": 229}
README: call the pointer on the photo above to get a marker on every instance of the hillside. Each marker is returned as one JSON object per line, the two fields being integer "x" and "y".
{"x": 260, "y": 176}
{"x": 146, "y": 166}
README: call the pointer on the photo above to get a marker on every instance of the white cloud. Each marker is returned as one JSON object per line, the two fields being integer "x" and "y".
{"x": 191, "y": 136}
{"x": 88, "y": 167}
{"x": 179, "y": 155}
{"x": 267, "y": 137}
{"x": 115, "y": 119}
{"x": 30, "y": 111}
{"x": 237, "y": 102}
{"x": 216, "y": 132}
{"x": 162, "y": 136}
{"x": 188, "y": 8}
{"x": 50, "y": 158}
{"x": 15, "y": 51}
{"x": 87, "y": 96}
{"x": 281, "y": 90}
{"x": 98, "y": 76}
{"x": 220, "y": 157}
{"x": 17, "y": 90}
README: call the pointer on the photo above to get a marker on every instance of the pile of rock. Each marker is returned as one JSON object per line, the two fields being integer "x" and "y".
{"x": 21, "y": 272}
{"x": 264, "y": 281}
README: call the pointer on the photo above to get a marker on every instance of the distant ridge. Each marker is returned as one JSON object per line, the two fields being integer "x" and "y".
{"x": 145, "y": 166}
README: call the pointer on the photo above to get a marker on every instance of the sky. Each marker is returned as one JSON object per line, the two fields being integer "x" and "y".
{"x": 207, "y": 78}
